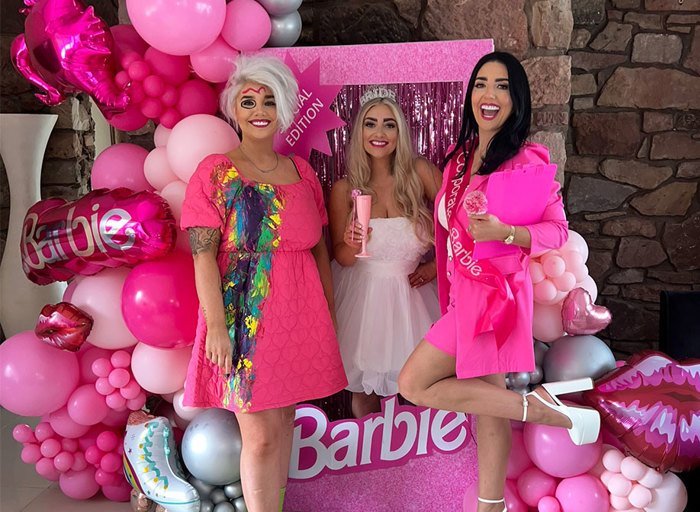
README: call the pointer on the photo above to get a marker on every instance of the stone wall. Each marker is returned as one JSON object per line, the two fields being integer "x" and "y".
{"x": 634, "y": 155}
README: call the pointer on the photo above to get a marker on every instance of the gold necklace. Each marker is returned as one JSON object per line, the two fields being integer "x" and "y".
{"x": 277, "y": 161}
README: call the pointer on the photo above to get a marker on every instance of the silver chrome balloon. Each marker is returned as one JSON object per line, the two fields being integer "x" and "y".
{"x": 218, "y": 496}
{"x": 285, "y": 29}
{"x": 536, "y": 375}
{"x": 576, "y": 357}
{"x": 207, "y": 506}
{"x": 234, "y": 490}
{"x": 519, "y": 380}
{"x": 239, "y": 505}
{"x": 211, "y": 447}
{"x": 540, "y": 349}
{"x": 225, "y": 506}
{"x": 280, "y": 7}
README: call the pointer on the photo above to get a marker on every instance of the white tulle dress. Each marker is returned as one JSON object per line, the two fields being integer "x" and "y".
{"x": 381, "y": 318}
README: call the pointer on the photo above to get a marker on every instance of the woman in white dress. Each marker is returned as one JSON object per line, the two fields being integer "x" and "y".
{"x": 386, "y": 303}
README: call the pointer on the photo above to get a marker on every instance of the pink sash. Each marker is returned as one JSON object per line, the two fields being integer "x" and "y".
{"x": 497, "y": 304}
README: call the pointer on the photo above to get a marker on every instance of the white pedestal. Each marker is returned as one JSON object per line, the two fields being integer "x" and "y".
{"x": 23, "y": 139}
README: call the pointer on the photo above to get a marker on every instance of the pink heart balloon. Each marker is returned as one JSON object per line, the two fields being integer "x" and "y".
{"x": 580, "y": 316}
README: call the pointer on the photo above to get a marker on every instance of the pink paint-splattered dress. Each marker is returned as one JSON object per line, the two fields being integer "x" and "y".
{"x": 284, "y": 345}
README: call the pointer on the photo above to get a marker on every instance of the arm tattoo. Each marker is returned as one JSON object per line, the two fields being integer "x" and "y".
{"x": 204, "y": 240}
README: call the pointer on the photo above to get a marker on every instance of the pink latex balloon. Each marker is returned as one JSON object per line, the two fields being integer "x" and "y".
{"x": 111, "y": 462}
{"x": 65, "y": 426}
{"x": 35, "y": 378}
{"x": 115, "y": 401}
{"x": 544, "y": 291}
{"x": 580, "y": 316}
{"x": 536, "y": 271}
{"x": 612, "y": 460}
{"x": 127, "y": 40}
{"x": 120, "y": 165}
{"x": 116, "y": 418}
{"x": 120, "y": 359}
{"x": 131, "y": 119}
{"x": 216, "y": 62}
{"x": 565, "y": 282}
{"x": 103, "y": 386}
{"x": 583, "y": 493}
{"x": 151, "y": 108}
{"x": 47, "y": 470}
{"x": 161, "y": 135}
{"x": 170, "y": 117}
{"x": 618, "y": 485}
{"x": 79, "y": 485}
{"x": 534, "y": 484}
{"x": 131, "y": 390}
{"x": 68, "y": 292}
{"x": 552, "y": 450}
{"x": 66, "y": 49}
{"x": 100, "y": 296}
{"x": 576, "y": 243}
{"x": 513, "y": 501}
{"x": 30, "y": 453}
{"x": 23, "y": 434}
{"x": 153, "y": 85}
{"x": 173, "y": 69}
{"x": 120, "y": 491}
{"x": 160, "y": 370}
{"x": 546, "y": 322}
{"x": 184, "y": 413}
{"x": 159, "y": 302}
{"x": 63, "y": 461}
{"x": 669, "y": 496}
{"x": 548, "y": 504}
{"x": 633, "y": 468}
{"x": 107, "y": 441}
{"x": 553, "y": 266}
{"x": 169, "y": 98}
{"x": 119, "y": 377}
{"x": 50, "y": 448}
{"x": 247, "y": 26}
{"x": 127, "y": 60}
{"x": 139, "y": 70}
{"x": 102, "y": 368}
{"x": 79, "y": 462}
{"x": 178, "y": 28}
{"x": 136, "y": 93}
{"x": 86, "y": 406}
{"x": 93, "y": 454}
{"x": 640, "y": 496}
{"x": 157, "y": 169}
{"x": 86, "y": 358}
{"x": 174, "y": 194}
{"x": 196, "y": 97}
{"x": 589, "y": 285}
{"x": 196, "y": 137}
{"x": 43, "y": 431}
{"x": 518, "y": 460}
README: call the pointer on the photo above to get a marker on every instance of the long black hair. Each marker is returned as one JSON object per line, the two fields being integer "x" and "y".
{"x": 510, "y": 138}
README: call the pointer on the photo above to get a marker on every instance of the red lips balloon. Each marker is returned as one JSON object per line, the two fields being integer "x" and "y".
{"x": 63, "y": 325}
{"x": 652, "y": 405}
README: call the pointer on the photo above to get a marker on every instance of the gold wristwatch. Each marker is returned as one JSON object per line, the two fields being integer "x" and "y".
{"x": 511, "y": 236}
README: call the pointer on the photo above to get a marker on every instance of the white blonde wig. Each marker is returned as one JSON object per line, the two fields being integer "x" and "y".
{"x": 270, "y": 72}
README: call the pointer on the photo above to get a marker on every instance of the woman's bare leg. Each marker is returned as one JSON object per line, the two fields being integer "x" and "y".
{"x": 364, "y": 404}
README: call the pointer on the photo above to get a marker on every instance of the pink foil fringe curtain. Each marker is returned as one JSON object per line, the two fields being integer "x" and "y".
{"x": 433, "y": 112}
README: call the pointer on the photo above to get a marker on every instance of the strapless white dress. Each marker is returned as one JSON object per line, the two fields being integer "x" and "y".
{"x": 381, "y": 318}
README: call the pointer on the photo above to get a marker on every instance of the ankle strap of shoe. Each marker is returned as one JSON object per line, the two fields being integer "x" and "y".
{"x": 484, "y": 500}
{"x": 525, "y": 404}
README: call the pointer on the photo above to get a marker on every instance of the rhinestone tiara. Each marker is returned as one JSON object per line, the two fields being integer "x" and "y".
{"x": 377, "y": 92}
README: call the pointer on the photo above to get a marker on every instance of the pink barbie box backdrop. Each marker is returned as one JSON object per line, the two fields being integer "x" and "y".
{"x": 404, "y": 458}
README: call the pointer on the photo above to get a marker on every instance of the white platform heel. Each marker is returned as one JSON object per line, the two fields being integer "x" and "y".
{"x": 483, "y": 500}
{"x": 585, "y": 422}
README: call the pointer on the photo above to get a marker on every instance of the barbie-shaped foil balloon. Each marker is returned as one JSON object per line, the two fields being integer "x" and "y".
{"x": 63, "y": 325}
{"x": 580, "y": 316}
{"x": 105, "y": 228}
{"x": 652, "y": 405}
{"x": 66, "y": 48}
{"x": 151, "y": 465}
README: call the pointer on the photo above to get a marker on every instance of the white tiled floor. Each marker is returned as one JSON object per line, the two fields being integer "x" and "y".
{"x": 22, "y": 490}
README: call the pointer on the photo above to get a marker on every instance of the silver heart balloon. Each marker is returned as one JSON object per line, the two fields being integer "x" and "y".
{"x": 280, "y": 7}
{"x": 285, "y": 29}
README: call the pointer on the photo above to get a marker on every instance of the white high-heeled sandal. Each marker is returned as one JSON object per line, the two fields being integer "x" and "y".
{"x": 585, "y": 422}
{"x": 502, "y": 500}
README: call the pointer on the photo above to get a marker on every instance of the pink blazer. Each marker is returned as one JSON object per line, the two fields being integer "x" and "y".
{"x": 550, "y": 233}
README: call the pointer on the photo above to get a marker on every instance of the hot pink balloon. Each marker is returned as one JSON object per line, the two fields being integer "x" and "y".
{"x": 159, "y": 302}
{"x": 66, "y": 426}
{"x": 173, "y": 69}
{"x": 105, "y": 228}
{"x": 66, "y": 48}
{"x": 518, "y": 460}
{"x": 534, "y": 484}
{"x": 86, "y": 357}
{"x": 583, "y": 493}
{"x": 548, "y": 504}
{"x": 79, "y": 485}
{"x": 86, "y": 406}
{"x": 157, "y": 169}
{"x": 130, "y": 120}
{"x": 30, "y": 453}
{"x": 247, "y": 26}
{"x": 47, "y": 470}
{"x": 196, "y": 97}
{"x": 120, "y": 491}
{"x": 151, "y": 108}
{"x": 35, "y": 378}
{"x": 153, "y": 85}
{"x": 216, "y": 62}
{"x": 196, "y": 137}
{"x": 160, "y": 370}
{"x": 580, "y": 316}
{"x": 138, "y": 70}
{"x": 120, "y": 165}
{"x": 23, "y": 434}
{"x": 127, "y": 40}
{"x": 178, "y": 28}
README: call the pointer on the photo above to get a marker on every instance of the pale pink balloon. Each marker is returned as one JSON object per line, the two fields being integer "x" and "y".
{"x": 35, "y": 377}
{"x": 65, "y": 426}
{"x": 546, "y": 322}
{"x": 160, "y": 370}
{"x": 618, "y": 485}
{"x": 247, "y": 26}
{"x": 518, "y": 460}
{"x": 119, "y": 377}
{"x": 160, "y": 136}
{"x": 669, "y": 496}
{"x": 173, "y": 69}
{"x": 583, "y": 493}
{"x": 196, "y": 97}
{"x": 639, "y": 496}
{"x": 174, "y": 194}
{"x": 620, "y": 503}
{"x": 216, "y": 62}
{"x": 612, "y": 460}
{"x": 185, "y": 414}
{"x": 565, "y": 282}
{"x": 86, "y": 406}
{"x": 536, "y": 271}
{"x": 178, "y": 28}
{"x": 544, "y": 291}
{"x": 572, "y": 260}
{"x": 548, "y": 504}
{"x": 196, "y": 137}
{"x": 79, "y": 485}
{"x": 651, "y": 479}
{"x": 589, "y": 285}
{"x": 534, "y": 484}
{"x": 633, "y": 468}
{"x": 100, "y": 296}
{"x": 553, "y": 266}
{"x": 576, "y": 243}
{"x": 157, "y": 168}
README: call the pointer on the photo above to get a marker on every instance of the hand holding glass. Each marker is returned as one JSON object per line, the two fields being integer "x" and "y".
{"x": 364, "y": 209}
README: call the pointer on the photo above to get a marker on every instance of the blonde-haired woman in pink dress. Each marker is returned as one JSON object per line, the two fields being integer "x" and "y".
{"x": 265, "y": 338}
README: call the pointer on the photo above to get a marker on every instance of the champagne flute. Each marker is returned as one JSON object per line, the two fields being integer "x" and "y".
{"x": 364, "y": 209}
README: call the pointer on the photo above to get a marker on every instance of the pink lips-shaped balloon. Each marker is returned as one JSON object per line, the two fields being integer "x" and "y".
{"x": 63, "y": 325}
{"x": 580, "y": 316}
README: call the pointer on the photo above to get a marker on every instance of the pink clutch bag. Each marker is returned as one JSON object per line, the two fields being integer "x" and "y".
{"x": 516, "y": 196}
